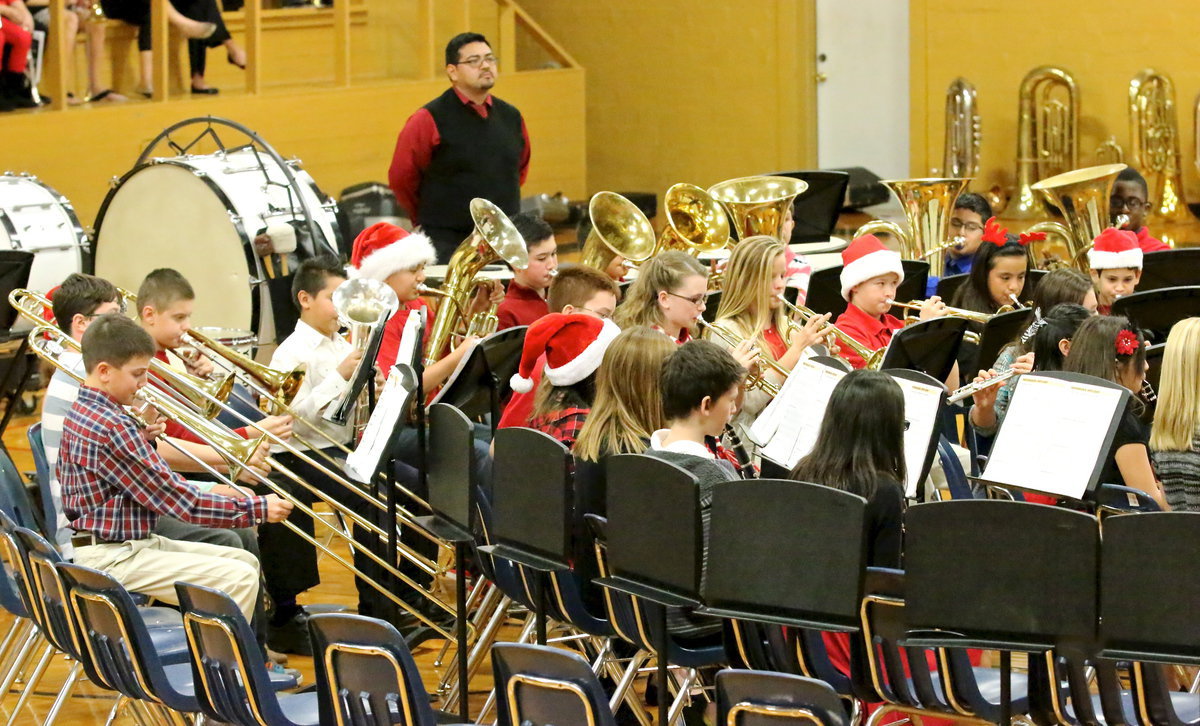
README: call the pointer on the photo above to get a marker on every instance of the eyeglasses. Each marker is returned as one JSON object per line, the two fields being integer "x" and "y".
{"x": 477, "y": 61}
{"x": 602, "y": 314}
{"x": 966, "y": 226}
{"x": 1132, "y": 204}
{"x": 698, "y": 300}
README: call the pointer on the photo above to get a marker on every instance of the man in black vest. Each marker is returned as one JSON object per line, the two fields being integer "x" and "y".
{"x": 465, "y": 143}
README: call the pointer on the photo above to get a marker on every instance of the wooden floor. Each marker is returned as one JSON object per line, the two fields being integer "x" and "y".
{"x": 90, "y": 704}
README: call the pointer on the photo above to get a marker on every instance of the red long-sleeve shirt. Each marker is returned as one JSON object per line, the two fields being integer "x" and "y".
{"x": 414, "y": 151}
{"x": 870, "y": 330}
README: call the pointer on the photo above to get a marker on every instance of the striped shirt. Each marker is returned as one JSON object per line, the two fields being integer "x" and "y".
{"x": 60, "y": 396}
{"x": 1179, "y": 472}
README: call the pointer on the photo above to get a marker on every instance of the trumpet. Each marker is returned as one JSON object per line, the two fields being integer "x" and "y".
{"x": 873, "y": 358}
{"x": 970, "y": 315}
{"x": 971, "y": 389}
{"x": 754, "y": 379}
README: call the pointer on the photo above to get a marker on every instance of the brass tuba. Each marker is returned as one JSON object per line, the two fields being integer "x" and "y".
{"x": 1047, "y": 135}
{"x": 618, "y": 227}
{"x": 963, "y": 134}
{"x": 928, "y": 204}
{"x": 758, "y": 204}
{"x": 1154, "y": 138}
{"x": 695, "y": 221}
{"x": 362, "y": 305}
{"x": 1081, "y": 197}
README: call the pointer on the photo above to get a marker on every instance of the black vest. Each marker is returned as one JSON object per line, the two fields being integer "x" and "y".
{"x": 477, "y": 157}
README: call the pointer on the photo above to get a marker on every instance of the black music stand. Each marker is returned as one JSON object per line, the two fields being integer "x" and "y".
{"x": 949, "y": 285}
{"x": 452, "y": 499}
{"x": 1155, "y": 311}
{"x": 476, "y": 386}
{"x": 1033, "y": 278}
{"x": 815, "y": 212}
{"x": 825, "y": 287}
{"x": 15, "y": 266}
{"x": 1170, "y": 268}
{"x": 997, "y": 333}
{"x": 532, "y": 505}
{"x": 503, "y": 353}
{"x": 930, "y": 346}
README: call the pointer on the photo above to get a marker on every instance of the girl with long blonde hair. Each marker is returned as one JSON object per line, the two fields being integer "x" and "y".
{"x": 1175, "y": 436}
{"x": 668, "y": 295}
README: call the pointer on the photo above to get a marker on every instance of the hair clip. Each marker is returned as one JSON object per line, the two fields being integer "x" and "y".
{"x": 1035, "y": 326}
{"x": 994, "y": 233}
{"x": 1127, "y": 342}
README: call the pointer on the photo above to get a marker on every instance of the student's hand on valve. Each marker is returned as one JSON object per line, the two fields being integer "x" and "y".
{"x": 487, "y": 294}
{"x": 933, "y": 308}
{"x": 277, "y": 509}
{"x": 467, "y": 342}
{"x": 346, "y": 368}
{"x": 816, "y": 330}
{"x": 1023, "y": 364}
{"x": 746, "y": 354}
{"x": 197, "y": 364}
{"x": 281, "y": 426}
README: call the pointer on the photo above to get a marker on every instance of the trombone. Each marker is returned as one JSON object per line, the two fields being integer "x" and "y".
{"x": 872, "y": 358}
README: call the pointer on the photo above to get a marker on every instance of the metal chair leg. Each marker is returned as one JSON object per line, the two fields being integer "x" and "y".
{"x": 24, "y": 630}
{"x": 64, "y": 693}
{"x": 19, "y": 661}
{"x": 483, "y": 645}
{"x": 116, "y": 709}
{"x": 32, "y": 683}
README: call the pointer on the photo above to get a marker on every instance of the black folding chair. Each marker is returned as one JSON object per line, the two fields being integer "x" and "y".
{"x": 540, "y": 686}
{"x": 15, "y": 266}
{"x": 757, "y": 698}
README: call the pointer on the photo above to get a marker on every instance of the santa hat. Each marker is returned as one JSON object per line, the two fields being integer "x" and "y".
{"x": 574, "y": 346}
{"x": 1115, "y": 248}
{"x": 383, "y": 249}
{"x": 864, "y": 258}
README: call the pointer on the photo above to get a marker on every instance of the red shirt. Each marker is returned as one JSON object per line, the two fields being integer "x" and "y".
{"x": 414, "y": 151}
{"x": 684, "y": 334}
{"x": 775, "y": 342}
{"x": 520, "y": 406}
{"x": 389, "y": 347}
{"x": 871, "y": 331}
{"x": 177, "y": 430}
{"x": 521, "y": 306}
{"x": 1150, "y": 244}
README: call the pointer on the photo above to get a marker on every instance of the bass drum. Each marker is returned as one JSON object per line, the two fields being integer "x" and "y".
{"x": 200, "y": 214}
{"x": 35, "y": 218}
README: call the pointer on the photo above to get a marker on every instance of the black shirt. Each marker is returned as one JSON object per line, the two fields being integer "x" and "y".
{"x": 1130, "y": 430}
{"x": 884, "y": 523}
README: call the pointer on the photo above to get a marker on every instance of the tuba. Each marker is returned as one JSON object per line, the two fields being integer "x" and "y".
{"x": 758, "y": 204}
{"x": 1047, "y": 135}
{"x": 494, "y": 238}
{"x": 695, "y": 221}
{"x": 928, "y": 204}
{"x": 1154, "y": 138}
{"x": 618, "y": 228}
{"x": 963, "y": 135}
{"x": 1081, "y": 197}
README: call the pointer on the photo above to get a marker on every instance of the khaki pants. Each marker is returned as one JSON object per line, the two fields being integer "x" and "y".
{"x": 153, "y": 565}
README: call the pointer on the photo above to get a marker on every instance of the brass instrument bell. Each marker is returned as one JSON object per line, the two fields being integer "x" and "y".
{"x": 758, "y": 204}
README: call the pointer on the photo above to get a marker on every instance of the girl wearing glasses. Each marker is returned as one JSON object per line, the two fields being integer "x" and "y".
{"x": 668, "y": 295}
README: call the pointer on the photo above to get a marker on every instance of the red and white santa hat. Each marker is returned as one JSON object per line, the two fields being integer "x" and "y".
{"x": 864, "y": 258}
{"x": 574, "y": 345}
{"x": 384, "y": 249}
{"x": 1115, "y": 248}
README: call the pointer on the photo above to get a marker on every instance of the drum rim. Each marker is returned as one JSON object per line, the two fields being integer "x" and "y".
{"x": 81, "y": 235}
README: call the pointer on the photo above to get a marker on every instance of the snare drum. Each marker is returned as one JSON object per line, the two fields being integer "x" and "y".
{"x": 200, "y": 215}
{"x": 37, "y": 219}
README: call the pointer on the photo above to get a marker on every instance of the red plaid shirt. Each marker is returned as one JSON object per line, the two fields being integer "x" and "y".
{"x": 563, "y": 425}
{"x": 115, "y": 485}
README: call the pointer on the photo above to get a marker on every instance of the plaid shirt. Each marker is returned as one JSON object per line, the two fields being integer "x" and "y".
{"x": 115, "y": 485}
{"x": 563, "y": 424}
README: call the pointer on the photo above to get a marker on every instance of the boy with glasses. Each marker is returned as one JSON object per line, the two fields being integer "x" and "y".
{"x": 1130, "y": 197}
{"x": 966, "y": 222}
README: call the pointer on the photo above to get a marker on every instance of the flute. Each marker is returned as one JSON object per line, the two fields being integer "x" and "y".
{"x": 959, "y": 394}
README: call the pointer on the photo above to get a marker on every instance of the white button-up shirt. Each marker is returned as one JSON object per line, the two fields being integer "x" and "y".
{"x": 320, "y": 355}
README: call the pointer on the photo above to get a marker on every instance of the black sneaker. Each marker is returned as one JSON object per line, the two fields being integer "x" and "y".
{"x": 291, "y": 637}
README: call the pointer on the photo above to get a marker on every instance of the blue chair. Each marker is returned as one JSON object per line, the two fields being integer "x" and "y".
{"x": 14, "y": 496}
{"x": 366, "y": 675}
{"x": 539, "y": 686}
{"x": 228, "y": 666}
{"x": 42, "y": 466}
{"x": 758, "y": 698}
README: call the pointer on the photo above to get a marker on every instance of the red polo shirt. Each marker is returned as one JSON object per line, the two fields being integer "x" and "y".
{"x": 177, "y": 430}
{"x": 1150, "y": 244}
{"x": 521, "y": 306}
{"x": 871, "y": 331}
{"x": 389, "y": 347}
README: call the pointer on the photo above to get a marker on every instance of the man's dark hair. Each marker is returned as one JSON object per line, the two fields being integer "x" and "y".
{"x": 312, "y": 275}
{"x": 974, "y": 203}
{"x": 1129, "y": 174}
{"x": 162, "y": 288}
{"x": 532, "y": 227}
{"x": 457, "y": 42}
{"x": 81, "y": 295}
{"x": 697, "y": 369}
{"x": 576, "y": 284}
{"x": 115, "y": 339}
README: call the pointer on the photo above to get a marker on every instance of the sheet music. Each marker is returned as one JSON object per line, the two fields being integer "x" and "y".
{"x": 793, "y": 419}
{"x": 1053, "y": 435}
{"x": 921, "y": 404}
{"x": 363, "y": 462}
{"x": 410, "y": 338}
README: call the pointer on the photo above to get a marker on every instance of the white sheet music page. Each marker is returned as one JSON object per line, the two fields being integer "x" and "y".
{"x": 1053, "y": 435}
{"x": 363, "y": 462}
{"x": 801, "y": 407}
{"x": 410, "y": 338}
{"x": 921, "y": 403}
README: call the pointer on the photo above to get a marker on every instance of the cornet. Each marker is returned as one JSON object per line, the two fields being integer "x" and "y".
{"x": 970, "y": 315}
{"x": 872, "y": 358}
{"x": 754, "y": 379}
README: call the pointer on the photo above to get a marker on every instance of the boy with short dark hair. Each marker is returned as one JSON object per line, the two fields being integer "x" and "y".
{"x": 115, "y": 485}
{"x": 525, "y": 300}
{"x": 1131, "y": 197}
{"x": 970, "y": 215}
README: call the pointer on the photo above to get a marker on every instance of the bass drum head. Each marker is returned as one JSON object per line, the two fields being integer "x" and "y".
{"x": 165, "y": 215}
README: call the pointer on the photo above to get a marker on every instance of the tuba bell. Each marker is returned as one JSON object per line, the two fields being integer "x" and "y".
{"x": 1047, "y": 135}
{"x": 696, "y": 222}
{"x": 1081, "y": 197}
{"x": 618, "y": 228}
{"x": 495, "y": 238}
{"x": 928, "y": 204}
{"x": 758, "y": 204}
{"x": 1154, "y": 138}
{"x": 963, "y": 135}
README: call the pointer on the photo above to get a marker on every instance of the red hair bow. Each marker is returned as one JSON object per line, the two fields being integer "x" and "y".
{"x": 1027, "y": 237}
{"x": 994, "y": 233}
{"x": 1127, "y": 343}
